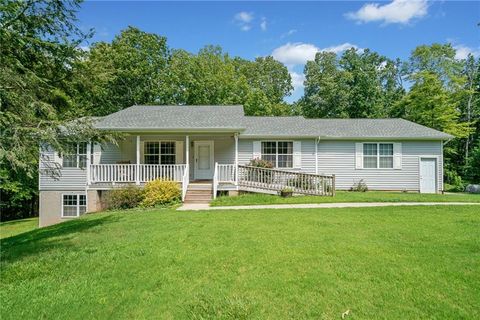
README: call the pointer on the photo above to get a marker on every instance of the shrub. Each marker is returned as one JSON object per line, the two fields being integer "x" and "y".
{"x": 453, "y": 181}
{"x": 360, "y": 186}
{"x": 259, "y": 163}
{"x": 161, "y": 193}
{"x": 124, "y": 198}
{"x": 265, "y": 176}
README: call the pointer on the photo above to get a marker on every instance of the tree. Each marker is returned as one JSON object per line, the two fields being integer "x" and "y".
{"x": 428, "y": 103}
{"x": 267, "y": 75}
{"x": 359, "y": 84}
{"x": 326, "y": 93}
{"x": 436, "y": 58}
{"x": 39, "y": 43}
{"x": 206, "y": 78}
{"x": 131, "y": 70}
{"x": 373, "y": 83}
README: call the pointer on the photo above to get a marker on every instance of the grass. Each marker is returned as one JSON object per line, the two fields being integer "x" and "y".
{"x": 12, "y": 228}
{"x": 390, "y": 263}
{"x": 345, "y": 196}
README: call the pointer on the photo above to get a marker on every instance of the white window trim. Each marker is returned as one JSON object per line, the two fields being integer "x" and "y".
{"x": 276, "y": 152}
{"x": 78, "y": 203}
{"x": 78, "y": 155}
{"x": 159, "y": 150}
{"x": 378, "y": 155}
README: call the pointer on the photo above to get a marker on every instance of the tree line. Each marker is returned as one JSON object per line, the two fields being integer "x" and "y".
{"x": 47, "y": 80}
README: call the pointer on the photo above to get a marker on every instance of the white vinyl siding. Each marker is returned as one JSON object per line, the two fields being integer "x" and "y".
{"x": 303, "y": 153}
{"x": 341, "y": 158}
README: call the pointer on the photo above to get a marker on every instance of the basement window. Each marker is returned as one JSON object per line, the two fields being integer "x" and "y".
{"x": 73, "y": 205}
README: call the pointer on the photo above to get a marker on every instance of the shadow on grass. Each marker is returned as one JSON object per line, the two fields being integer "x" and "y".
{"x": 44, "y": 239}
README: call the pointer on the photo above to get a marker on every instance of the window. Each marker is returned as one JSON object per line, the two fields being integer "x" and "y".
{"x": 279, "y": 153}
{"x": 73, "y": 205}
{"x": 162, "y": 152}
{"x": 378, "y": 155}
{"x": 78, "y": 159}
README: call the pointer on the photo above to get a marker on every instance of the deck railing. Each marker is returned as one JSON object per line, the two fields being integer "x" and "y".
{"x": 223, "y": 173}
{"x": 128, "y": 172}
{"x": 277, "y": 180}
{"x": 226, "y": 173}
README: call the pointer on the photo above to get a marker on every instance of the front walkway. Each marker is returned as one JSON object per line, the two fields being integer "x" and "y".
{"x": 323, "y": 205}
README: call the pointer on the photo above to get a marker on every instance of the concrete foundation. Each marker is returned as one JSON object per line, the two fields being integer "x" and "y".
{"x": 233, "y": 193}
{"x": 50, "y": 207}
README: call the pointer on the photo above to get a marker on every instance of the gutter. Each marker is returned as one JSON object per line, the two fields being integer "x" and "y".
{"x": 174, "y": 130}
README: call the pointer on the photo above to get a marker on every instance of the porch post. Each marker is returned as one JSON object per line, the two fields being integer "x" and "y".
{"x": 89, "y": 155}
{"x": 137, "y": 167}
{"x": 187, "y": 150}
{"x": 236, "y": 158}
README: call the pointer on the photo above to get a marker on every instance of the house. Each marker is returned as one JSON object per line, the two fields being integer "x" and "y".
{"x": 213, "y": 144}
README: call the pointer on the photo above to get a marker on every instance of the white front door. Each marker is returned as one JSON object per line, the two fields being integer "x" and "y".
{"x": 203, "y": 158}
{"x": 428, "y": 175}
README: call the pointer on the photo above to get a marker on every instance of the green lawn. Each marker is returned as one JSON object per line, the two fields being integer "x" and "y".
{"x": 12, "y": 228}
{"x": 345, "y": 196}
{"x": 389, "y": 263}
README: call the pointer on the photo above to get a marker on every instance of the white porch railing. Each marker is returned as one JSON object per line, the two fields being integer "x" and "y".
{"x": 224, "y": 173}
{"x": 128, "y": 172}
{"x": 149, "y": 172}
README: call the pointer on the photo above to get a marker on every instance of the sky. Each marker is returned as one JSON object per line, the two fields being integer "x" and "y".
{"x": 292, "y": 32}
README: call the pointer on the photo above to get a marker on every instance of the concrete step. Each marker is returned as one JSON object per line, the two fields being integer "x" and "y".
{"x": 199, "y": 191}
{"x": 196, "y": 201}
{"x": 190, "y": 187}
{"x": 198, "y": 198}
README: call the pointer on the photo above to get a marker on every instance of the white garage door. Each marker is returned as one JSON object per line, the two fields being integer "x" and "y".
{"x": 428, "y": 175}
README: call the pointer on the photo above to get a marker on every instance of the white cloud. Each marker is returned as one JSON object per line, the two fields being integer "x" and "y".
{"x": 297, "y": 80}
{"x": 340, "y": 48}
{"x": 299, "y": 53}
{"x": 288, "y": 33}
{"x": 263, "y": 24}
{"x": 397, "y": 11}
{"x": 243, "y": 19}
{"x": 295, "y": 53}
{"x": 463, "y": 51}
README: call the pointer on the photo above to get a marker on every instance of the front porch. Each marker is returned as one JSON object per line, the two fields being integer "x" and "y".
{"x": 142, "y": 158}
{"x": 209, "y": 158}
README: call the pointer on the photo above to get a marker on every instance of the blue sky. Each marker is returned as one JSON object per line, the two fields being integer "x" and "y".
{"x": 293, "y": 31}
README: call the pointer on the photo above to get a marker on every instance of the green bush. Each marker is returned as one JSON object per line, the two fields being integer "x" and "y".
{"x": 161, "y": 193}
{"x": 259, "y": 163}
{"x": 453, "y": 181}
{"x": 124, "y": 198}
{"x": 360, "y": 186}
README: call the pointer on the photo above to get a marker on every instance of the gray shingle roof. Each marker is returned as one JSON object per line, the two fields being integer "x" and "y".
{"x": 232, "y": 118}
{"x": 174, "y": 118}
{"x": 339, "y": 128}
